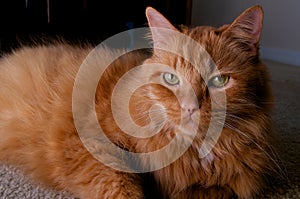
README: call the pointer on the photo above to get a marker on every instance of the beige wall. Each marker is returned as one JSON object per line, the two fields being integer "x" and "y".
{"x": 281, "y": 30}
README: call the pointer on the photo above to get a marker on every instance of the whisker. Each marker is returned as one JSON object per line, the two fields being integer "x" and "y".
{"x": 156, "y": 116}
{"x": 259, "y": 147}
{"x": 235, "y": 118}
{"x": 144, "y": 114}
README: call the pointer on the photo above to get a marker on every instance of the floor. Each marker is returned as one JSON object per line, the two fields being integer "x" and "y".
{"x": 285, "y": 81}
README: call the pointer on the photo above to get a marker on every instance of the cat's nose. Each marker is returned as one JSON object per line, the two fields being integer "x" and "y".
{"x": 189, "y": 108}
{"x": 189, "y": 104}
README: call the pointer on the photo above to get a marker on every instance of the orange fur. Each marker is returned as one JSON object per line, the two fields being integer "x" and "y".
{"x": 37, "y": 129}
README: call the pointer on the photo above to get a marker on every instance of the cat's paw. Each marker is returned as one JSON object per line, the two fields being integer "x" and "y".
{"x": 214, "y": 192}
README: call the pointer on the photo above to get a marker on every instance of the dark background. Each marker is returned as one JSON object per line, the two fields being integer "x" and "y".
{"x": 24, "y": 21}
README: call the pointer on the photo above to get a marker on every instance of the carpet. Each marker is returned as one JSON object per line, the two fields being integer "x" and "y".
{"x": 286, "y": 88}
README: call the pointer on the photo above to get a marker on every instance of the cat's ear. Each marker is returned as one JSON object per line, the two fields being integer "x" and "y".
{"x": 157, "y": 20}
{"x": 248, "y": 26}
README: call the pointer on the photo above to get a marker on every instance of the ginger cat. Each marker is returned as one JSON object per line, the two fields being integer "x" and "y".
{"x": 38, "y": 133}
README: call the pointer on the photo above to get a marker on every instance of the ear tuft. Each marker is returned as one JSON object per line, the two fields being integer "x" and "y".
{"x": 248, "y": 26}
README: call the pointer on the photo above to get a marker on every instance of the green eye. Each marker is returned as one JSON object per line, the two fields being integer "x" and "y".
{"x": 171, "y": 79}
{"x": 219, "y": 81}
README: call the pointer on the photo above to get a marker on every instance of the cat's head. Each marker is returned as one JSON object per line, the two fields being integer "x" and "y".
{"x": 188, "y": 84}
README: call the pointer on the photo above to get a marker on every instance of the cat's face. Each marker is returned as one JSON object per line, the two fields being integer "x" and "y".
{"x": 196, "y": 84}
{"x": 183, "y": 97}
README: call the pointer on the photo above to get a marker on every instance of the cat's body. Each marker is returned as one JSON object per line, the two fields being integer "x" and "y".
{"x": 38, "y": 133}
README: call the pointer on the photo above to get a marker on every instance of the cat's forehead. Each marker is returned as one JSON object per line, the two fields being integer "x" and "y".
{"x": 193, "y": 56}
{"x": 207, "y": 36}
{"x": 187, "y": 61}
{"x": 206, "y": 57}
{"x": 185, "y": 52}
{"x": 200, "y": 32}
{"x": 195, "y": 60}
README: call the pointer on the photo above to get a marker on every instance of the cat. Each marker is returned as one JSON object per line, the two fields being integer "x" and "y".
{"x": 38, "y": 131}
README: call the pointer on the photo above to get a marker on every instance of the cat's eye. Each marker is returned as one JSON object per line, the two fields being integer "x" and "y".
{"x": 171, "y": 79}
{"x": 219, "y": 81}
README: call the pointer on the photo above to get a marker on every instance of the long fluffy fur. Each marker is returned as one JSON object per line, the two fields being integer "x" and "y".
{"x": 37, "y": 129}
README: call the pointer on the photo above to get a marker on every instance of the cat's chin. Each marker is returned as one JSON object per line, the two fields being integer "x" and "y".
{"x": 188, "y": 127}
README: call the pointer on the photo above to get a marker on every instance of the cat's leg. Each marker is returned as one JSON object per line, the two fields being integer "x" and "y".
{"x": 80, "y": 173}
{"x": 88, "y": 178}
{"x": 107, "y": 184}
{"x": 214, "y": 192}
{"x": 246, "y": 185}
{"x": 72, "y": 168}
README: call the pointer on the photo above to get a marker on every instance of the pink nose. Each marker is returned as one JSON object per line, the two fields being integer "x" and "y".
{"x": 189, "y": 108}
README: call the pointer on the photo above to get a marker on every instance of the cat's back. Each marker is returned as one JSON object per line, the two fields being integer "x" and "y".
{"x": 37, "y": 81}
{"x": 35, "y": 100}
{"x": 35, "y": 71}
{"x": 34, "y": 81}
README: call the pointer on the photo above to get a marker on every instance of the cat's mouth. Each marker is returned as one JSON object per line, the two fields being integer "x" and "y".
{"x": 187, "y": 117}
{"x": 189, "y": 123}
